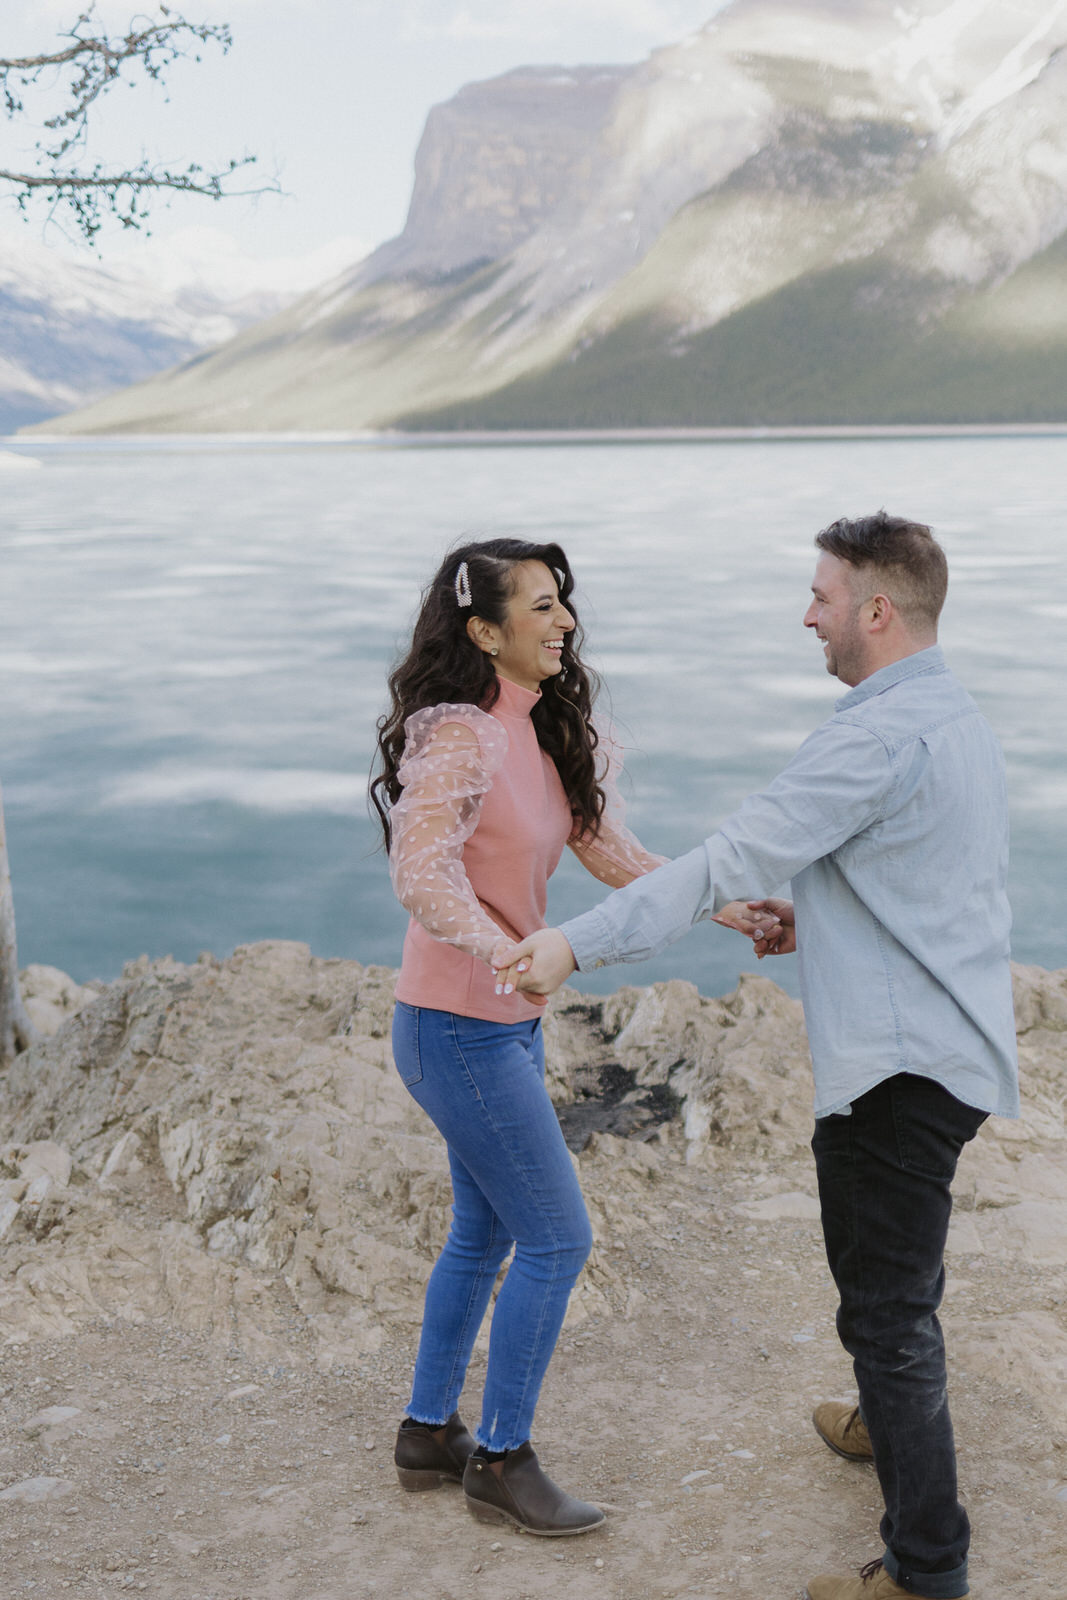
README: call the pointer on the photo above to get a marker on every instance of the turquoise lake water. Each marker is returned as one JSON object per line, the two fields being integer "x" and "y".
{"x": 196, "y": 637}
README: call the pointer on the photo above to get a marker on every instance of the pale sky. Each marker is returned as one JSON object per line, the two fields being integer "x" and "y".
{"x": 330, "y": 94}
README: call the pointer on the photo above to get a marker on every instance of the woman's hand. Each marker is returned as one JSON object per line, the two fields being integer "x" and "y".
{"x": 754, "y": 924}
{"x": 537, "y": 966}
{"x": 505, "y": 965}
{"x": 770, "y": 924}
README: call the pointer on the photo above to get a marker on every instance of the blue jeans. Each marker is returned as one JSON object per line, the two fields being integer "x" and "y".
{"x": 513, "y": 1184}
{"x": 885, "y": 1175}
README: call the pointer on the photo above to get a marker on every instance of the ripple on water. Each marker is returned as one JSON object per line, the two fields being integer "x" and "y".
{"x": 279, "y": 790}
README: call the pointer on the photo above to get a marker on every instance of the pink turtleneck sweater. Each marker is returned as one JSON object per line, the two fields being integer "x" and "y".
{"x": 476, "y": 834}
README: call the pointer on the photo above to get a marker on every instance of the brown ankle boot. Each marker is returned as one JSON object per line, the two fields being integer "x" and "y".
{"x": 843, "y": 1429}
{"x": 521, "y": 1493}
{"x": 873, "y": 1583}
{"x": 424, "y": 1461}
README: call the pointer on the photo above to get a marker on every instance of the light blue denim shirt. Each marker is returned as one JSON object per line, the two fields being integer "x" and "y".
{"x": 891, "y": 821}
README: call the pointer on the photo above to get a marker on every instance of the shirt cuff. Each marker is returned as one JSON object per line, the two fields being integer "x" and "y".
{"x": 590, "y": 939}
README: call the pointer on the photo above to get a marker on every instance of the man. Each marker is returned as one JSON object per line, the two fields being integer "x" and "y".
{"x": 891, "y": 822}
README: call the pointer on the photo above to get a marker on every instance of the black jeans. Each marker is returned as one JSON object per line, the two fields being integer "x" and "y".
{"x": 885, "y": 1173}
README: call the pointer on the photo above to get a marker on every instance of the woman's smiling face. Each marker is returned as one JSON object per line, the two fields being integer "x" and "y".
{"x": 530, "y": 644}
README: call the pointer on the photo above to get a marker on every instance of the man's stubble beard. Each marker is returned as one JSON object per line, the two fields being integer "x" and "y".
{"x": 846, "y": 660}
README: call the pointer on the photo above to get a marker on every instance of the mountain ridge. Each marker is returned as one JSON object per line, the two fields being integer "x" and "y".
{"x": 804, "y": 213}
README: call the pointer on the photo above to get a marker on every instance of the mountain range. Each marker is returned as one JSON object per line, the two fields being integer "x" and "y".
{"x": 807, "y": 211}
{"x": 73, "y": 329}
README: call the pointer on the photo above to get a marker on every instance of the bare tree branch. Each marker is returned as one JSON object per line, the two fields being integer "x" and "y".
{"x": 91, "y": 64}
{"x": 141, "y": 178}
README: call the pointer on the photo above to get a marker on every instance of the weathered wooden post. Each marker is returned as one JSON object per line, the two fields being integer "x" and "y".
{"x": 16, "y": 1030}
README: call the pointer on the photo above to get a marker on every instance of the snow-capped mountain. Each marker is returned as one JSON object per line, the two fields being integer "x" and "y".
{"x": 72, "y": 329}
{"x": 809, "y": 210}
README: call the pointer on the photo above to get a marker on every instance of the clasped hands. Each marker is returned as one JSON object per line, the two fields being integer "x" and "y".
{"x": 544, "y": 960}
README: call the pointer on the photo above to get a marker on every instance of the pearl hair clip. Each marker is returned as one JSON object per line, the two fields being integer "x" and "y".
{"x": 463, "y": 585}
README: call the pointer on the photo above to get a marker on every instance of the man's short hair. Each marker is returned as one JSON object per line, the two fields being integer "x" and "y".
{"x": 902, "y": 559}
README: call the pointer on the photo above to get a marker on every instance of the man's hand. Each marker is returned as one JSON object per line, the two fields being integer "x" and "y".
{"x": 536, "y": 966}
{"x": 776, "y": 937}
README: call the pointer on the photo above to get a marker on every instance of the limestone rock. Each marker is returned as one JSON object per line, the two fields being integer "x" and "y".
{"x": 32, "y": 1179}
{"x": 739, "y": 1065}
{"x": 32, "y": 1491}
{"x": 793, "y": 1205}
{"x": 1040, "y": 999}
{"x": 52, "y": 1417}
{"x": 228, "y": 1145}
{"x": 123, "y": 1158}
{"x": 51, "y": 997}
{"x": 44, "y": 1159}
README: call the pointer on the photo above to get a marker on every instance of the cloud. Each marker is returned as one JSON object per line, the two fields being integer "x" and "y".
{"x": 649, "y": 21}
{"x": 173, "y": 260}
{"x": 39, "y": 23}
{"x": 213, "y": 258}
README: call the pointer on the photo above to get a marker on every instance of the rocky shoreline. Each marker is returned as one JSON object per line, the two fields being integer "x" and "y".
{"x": 218, "y": 1161}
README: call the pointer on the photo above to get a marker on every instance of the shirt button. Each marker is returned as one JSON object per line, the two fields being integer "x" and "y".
{"x": 598, "y": 963}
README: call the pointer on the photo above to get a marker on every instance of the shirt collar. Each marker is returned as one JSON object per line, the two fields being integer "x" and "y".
{"x": 931, "y": 659}
{"x": 513, "y": 700}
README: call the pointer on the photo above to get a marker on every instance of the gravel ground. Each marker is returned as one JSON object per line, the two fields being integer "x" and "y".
{"x": 180, "y": 1466}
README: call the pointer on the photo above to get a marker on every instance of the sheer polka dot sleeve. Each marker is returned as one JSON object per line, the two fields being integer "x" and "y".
{"x": 613, "y": 854}
{"x": 451, "y": 755}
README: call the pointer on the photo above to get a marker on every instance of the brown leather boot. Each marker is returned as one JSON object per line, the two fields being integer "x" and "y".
{"x": 843, "y": 1429}
{"x": 873, "y": 1583}
{"x": 423, "y": 1461}
{"x": 521, "y": 1493}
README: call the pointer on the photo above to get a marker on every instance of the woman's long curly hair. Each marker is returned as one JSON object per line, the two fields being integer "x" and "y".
{"x": 444, "y": 665}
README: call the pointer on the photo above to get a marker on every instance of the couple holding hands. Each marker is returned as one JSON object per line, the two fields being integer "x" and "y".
{"x": 890, "y": 822}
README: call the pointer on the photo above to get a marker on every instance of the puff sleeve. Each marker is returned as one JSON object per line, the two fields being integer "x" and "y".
{"x": 451, "y": 755}
{"x": 614, "y": 854}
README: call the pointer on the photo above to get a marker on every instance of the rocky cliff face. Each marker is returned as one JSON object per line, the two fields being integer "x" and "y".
{"x": 494, "y": 164}
{"x": 236, "y": 1120}
{"x": 808, "y": 212}
{"x": 260, "y": 1092}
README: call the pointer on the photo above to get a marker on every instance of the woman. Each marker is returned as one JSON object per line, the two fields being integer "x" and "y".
{"x": 490, "y": 764}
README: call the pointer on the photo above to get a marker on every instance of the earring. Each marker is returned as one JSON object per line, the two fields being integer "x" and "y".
{"x": 494, "y": 651}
